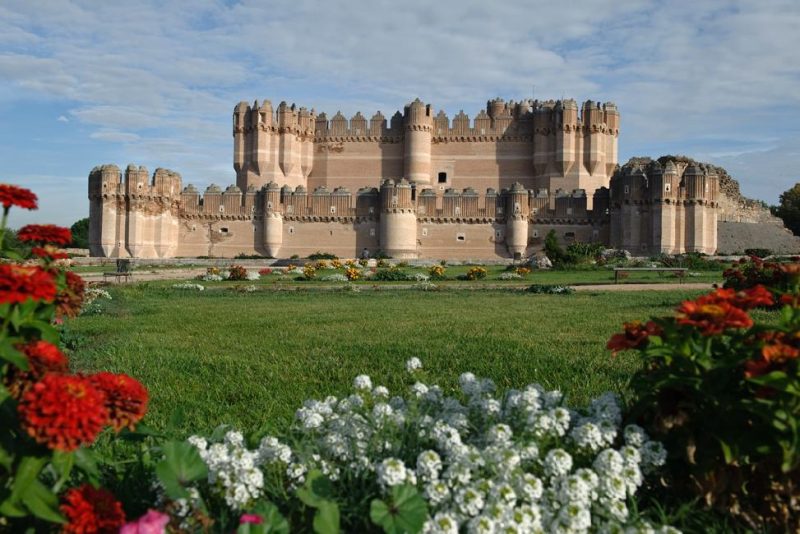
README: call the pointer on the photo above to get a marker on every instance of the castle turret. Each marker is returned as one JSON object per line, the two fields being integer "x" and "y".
{"x": 166, "y": 202}
{"x": 611, "y": 137}
{"x": 418, "y": 126}
{"x": 107, "y": 212}
{"x": 239, "y": 124}
{"x": 517, "y": 212}
{"x": 594, "y": 137}
{"x": 140, "y": 222}
{"x": 565, "y": 136}
{"x": 398, "y": 223}
{"x": 273, "y": 220}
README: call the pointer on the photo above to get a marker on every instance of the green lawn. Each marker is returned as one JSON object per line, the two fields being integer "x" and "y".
{"x": 251, "y": 359}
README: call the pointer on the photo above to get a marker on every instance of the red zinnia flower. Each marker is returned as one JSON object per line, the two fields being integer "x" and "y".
{"x": 70, "y": 299}
{"x": 634, "y": 336}
{"x": 45, "y": 233}
{"x": 712, "y": 315}
{"x": 43, "y": 357}
{"x": 126, "y": 398}
{"x": 49, "y": 252}
{"x": 11, "y": 195}
{"x": 19, "y": 283}
{"x": 63, "y": 411}
{"x": 91, "y": 510}
{"x": 756, "y": 368}
{"x": 752, "y": 298}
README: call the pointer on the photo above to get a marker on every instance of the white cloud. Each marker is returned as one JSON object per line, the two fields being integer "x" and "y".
{"x": 62, "y": 118}
{"x": 161, "y": 79}
{"x": 114, "y": 136}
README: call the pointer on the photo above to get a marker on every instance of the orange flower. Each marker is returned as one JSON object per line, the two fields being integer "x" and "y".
{"x": 712, "y": 315}
{"x": 19, "y": 283}
{"x": 752, "y": 298}
{"x": 635, "y": 335}
{"x": 45, "y": 233}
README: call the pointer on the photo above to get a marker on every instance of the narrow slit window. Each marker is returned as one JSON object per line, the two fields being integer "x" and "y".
{"x": 442, "y": 177}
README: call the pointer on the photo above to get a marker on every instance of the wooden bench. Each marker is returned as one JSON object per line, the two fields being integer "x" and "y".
{"x": 124, "y": 271}
{"x": 676, "y": 270}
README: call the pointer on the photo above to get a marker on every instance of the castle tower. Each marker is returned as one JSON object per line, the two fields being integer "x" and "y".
{"x": 701, "y": 227}
{"x": 166, "y": 202}
{"x": 566, "y": 132}
{"x": 611, "y": 137}
{"x": 594, "y": 138}
{"x": 517, "y": 212}
{"x": 140, "y": 221}
{"x": 398, "y": 220}
{"x": 662, "y": 196}
{"x": 239, "y": 125}
{"x": 107, "y": 212}
{"x": 273, "y": 220}
{"x": 418, "y": 127}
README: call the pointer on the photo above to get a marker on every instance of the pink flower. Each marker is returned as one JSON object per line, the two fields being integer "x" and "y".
{"x": 252, "y": 519}
{"x": 153, "y": 522}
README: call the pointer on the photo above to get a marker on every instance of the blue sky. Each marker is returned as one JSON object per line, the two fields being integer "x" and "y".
{"x": 84, "y": 83}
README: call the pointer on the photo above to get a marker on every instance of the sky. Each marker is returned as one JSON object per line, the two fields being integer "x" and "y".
{"x": 84, "y": 83}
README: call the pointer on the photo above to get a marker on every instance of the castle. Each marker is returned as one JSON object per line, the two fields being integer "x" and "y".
{"x": 418, "y": 185}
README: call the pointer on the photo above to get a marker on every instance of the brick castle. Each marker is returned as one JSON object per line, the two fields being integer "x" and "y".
{"x": 416, "y": 185}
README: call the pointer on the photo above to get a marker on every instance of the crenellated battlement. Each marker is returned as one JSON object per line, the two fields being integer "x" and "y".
{"x": 108, "y": 180}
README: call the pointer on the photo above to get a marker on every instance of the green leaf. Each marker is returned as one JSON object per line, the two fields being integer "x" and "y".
{"x": 316, "y": 489}
{"x": 272, "y": 520}
{"x": 326, "y": 520}
{"x": 62, "y": 462}
{"x": 405, "y": 512}
{"x": 181, "y": 465}
{"x": 10, "y": 354}
{"x": 85, "y": 461}
{"x": 42, "y": 502}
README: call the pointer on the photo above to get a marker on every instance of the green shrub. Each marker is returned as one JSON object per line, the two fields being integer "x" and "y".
{"x": 323, "y": 256}
{"x": 547, "y": 289}
{"x": 758, "y": 252}
{"x": 723, "y": 394}
{"x": 390, "y": 275}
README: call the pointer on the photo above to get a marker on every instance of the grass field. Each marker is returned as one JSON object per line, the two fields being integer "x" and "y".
{"x": 251, "y": 359}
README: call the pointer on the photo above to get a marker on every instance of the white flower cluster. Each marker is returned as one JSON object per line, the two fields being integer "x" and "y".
{"x": 233, "y": 470}
{"x": 253, "y": 275}
{"x": 188, "y": 285}
{"x": 509, "y": 276}
{"x": 93, "y": 293}
{"x": 485, "y": 463}
{"x": 212, "y": 278}
{"x": 337, "y": 277}
{"x": 418, "y": 277}
{"x": 296, "y": 270}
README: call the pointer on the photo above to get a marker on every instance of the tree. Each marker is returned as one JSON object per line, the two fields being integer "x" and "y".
{"x": 80, "y": 233}
{"x": 789, "y": 209}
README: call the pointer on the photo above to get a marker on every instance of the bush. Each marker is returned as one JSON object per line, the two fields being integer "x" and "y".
{"x": 552, "y": 249}
{"x": 475, "y": 273}
{"x": 237, "y": 273}
{"x": 695, "y": 261}
{"x": 780, "y": 277}
{"x": 389, "y": 275}
{"x": 547, "y": 289}
{"x": 723, "y": 393}
{"x": 437, "y": 272}
{"x": 758, "y": 252}
{"x": 322, "y": 256}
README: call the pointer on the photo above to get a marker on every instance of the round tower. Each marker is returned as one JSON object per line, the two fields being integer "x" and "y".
{"x": 273, "y": 220}
{"x": 398, "y": 222}
{"x": 517, "y": 212}
{"x": 418, "y": 127}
